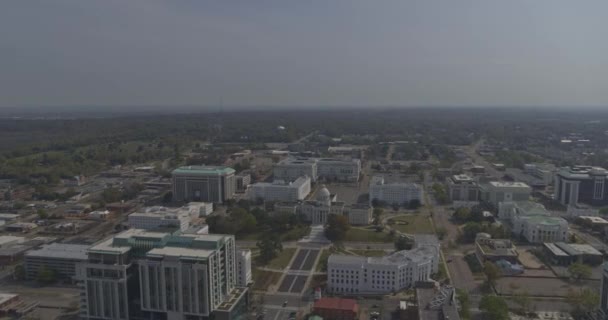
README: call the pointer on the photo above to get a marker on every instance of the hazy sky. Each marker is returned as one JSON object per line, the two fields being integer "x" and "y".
{"x": 304, "y": 53}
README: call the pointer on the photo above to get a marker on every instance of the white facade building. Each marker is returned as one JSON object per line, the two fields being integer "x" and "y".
{"x": 393, "y": 193}
{"x": 359, "y": 214}
{"x": 498, "y": 191}
{"x": 543, "y": 171}
{"x": 163, "y": 217}
{"x": 292, "y": 168}
{"x": 332, "y": 169}
{"x": 243, "y": 267}
{"x": 381, "y": 275}
{"x": 318, "y": 211}
{"x": 280, "y": 190}
{"x": 533, "y": 222}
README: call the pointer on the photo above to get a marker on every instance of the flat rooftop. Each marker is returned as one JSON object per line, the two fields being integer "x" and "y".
{"x": 60, "y": 251}
{"x": 508, "y": 184}
{"x": 180, "y": 253}
{"x": 555, "y": 250}
{"x": 203, "y": 170}
{"x": 10, "y": 239}
{"x": 5, "y": 297}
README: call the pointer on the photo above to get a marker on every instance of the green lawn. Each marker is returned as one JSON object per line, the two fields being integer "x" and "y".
{"x": 415, "y": 223}
{"x": 369, "y": 253}
{"x": 263, "y": 279}
{"x": 366, "y": 235}
{"x": 282, "y": 260}
{"x": 322, "y": 265}
{"x": 296, "y": 233}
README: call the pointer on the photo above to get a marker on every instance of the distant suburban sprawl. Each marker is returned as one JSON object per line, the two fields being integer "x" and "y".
{"x": 421, "y": 213}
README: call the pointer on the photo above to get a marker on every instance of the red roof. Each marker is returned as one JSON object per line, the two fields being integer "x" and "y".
{"x": 337, "y": 304}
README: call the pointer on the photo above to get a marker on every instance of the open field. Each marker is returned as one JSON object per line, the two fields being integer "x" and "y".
{"x": 366, "y": 235}
{"x": 263, "y": 279}
{"x": 282, "y": 260}
{"x": 415, "y": 223}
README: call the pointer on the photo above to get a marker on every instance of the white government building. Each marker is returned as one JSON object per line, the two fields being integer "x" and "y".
{"x": 347, "y": 170}
{"x": 496, "y": 192}
{"x": 393, "y": 193}
{"x": 317, "y": 211}
{"x": 381, "y": 275}
{"x": 280, "y": 190}
{"x": 533, "y": 222}
{"x": 162, "y": 217}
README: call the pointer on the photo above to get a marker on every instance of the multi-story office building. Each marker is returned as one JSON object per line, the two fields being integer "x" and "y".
{"x": 243, "y": 267}
{"x": 292, "y": 168}
{"x": 462, "y": 187}
{"x": 280, "y": 190}
{"x": 393, "y": 193}
{"x": 581, "y": 184}
{"x": 381, "y": 275}
{"x": 153, "y": 275}
{"x": 498, "y": 191}
{"x": 160, "y": 218}
{"x": 58, "y": 257}
{"x": 243, "y": 180}
{"x": 359, "y": 214}
{"x": 203, "y": 183}
{"x": 543, "y": 171}
{"x": 533, "y": 222}
{"x": 332, "y": 169}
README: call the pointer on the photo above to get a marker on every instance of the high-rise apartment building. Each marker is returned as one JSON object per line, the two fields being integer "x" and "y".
{"x": 153, "y": 275}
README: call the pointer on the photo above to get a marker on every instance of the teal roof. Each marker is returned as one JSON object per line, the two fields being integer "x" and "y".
{"x": 204, "y": 170}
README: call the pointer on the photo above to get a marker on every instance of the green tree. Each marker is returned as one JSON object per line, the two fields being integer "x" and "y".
{"x": 337, "y": 226}
{"x": 110, "y": 195}
{"x": 492, "y": 273}
{"x": 269, "y": 245}
{"x": 378, "y": 212}
{"x": 462, "y": 214}
{"x": 522, "y": 299}
{"x": 582, "y": 301}
{"x": 42, "y": 213}
{"x": 579, "y": 271}
{"x": 470, "y": 230}
{"x": 465, "y": 304}
{"x": 494, "y": 308}
{"x": 441, "y": 232}
{"x": 403, "y": 243}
